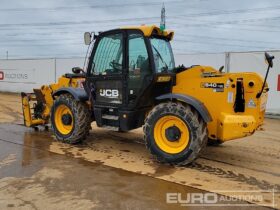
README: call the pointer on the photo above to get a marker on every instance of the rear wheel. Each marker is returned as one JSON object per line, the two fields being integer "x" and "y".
{"x": 175, "y": 133}
{"x": 70, "y": 119}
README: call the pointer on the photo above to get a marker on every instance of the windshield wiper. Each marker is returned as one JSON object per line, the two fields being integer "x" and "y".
{"x": 159, "y": 55}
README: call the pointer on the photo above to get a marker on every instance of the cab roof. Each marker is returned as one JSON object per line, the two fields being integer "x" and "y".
{"x": 149, "y": 30}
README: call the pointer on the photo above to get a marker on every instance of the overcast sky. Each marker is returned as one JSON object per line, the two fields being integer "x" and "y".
{"x": 54, "y": 28}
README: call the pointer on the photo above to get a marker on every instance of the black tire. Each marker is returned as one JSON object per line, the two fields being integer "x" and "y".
{"x": 81, "y": 119}
{"x": 197, "y": 133}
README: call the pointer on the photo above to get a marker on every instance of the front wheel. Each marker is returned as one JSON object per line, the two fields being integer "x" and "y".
{"x": 70, "y": 119}
{"x": 175, "y": 133}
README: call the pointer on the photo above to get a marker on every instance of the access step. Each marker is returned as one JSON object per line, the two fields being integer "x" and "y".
{"x": 110, "y": 117}
{"x": 111, "y": 128}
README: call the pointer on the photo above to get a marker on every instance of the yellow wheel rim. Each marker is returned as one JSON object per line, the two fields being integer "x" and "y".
{"x": 175, "y": 146}
{"x": 60, "y": 124}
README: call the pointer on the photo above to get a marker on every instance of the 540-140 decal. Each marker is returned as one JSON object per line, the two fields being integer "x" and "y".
{"x": 217, "y": 87}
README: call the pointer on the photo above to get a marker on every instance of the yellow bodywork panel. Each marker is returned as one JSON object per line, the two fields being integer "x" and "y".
{"x": 149, "y": 29}
{"x": 235, "y": 126}
{"x": 217, "y": 91}
{"x": 44, "y": 96}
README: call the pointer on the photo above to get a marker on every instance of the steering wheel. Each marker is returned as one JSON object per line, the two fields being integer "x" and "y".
{"x": 116, "y": 66}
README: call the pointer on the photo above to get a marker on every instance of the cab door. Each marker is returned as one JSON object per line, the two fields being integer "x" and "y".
{"x": 140, "y": 72}
{"x": 106, "y": 71}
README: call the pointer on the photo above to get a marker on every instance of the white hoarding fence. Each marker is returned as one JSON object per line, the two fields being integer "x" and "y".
{"x": 24, "y": 75}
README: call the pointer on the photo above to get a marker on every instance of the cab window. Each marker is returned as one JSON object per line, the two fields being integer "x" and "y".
{"x": 139, "y": 65}
{"x": 138, "y": 55}
{"x": 108, "y": 58}
{"x": 163, "y": 56}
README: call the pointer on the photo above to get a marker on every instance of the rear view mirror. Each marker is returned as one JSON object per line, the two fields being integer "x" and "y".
{"x": 87, "y": 38}
{"x": 77, "y": 70}
{"x": 269, "y": 59}
{"x": 221, "y": 69}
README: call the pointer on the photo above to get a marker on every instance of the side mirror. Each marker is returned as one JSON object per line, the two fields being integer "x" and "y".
{"x": 221, "y": 69}
{"x": 269, "y": 59}
{"x": 77, "y": 70}
{"x": 87, "y": 38}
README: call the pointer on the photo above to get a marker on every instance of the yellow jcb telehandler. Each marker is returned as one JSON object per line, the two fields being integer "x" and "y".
{"x": 131, "y": 81}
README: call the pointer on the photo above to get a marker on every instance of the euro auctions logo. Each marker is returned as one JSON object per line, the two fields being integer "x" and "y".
{"x": 1, "y": 75}
{"x": 224, "y": 198}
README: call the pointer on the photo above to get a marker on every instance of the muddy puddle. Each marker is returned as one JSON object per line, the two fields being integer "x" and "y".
{"x": 109, "y": 171}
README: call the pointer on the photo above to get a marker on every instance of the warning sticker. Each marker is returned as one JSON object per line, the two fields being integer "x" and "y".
{"x": 230, "y": 97}
{"x": 251, "y": 104}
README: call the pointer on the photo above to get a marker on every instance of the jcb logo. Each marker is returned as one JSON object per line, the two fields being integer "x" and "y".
{"x": 1, "y": 75}
{"x": 110, "y": 93}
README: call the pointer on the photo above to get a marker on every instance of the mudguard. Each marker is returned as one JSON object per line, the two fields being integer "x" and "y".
{"x": 198, "y": 105}
{"x": 79, "y": 94}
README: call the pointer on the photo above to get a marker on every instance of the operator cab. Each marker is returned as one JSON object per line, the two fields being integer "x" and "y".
{"x": 128, "y": 68}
